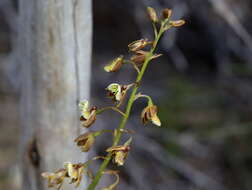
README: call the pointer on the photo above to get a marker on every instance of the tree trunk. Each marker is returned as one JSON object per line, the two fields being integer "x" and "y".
{"x": 55, "y": 52}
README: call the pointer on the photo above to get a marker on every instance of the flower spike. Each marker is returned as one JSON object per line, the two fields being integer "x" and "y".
{"x": 143, "y": 51}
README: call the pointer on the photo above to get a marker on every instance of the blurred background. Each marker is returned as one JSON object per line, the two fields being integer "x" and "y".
{"x": 202, "y": 85}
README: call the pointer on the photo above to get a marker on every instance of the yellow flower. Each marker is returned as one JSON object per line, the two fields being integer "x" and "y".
{"x": 115, "y": 65}
{"x": 74, "y": 172}
{"x": 88, "y": 115}
{"x": 150, "y": 114}
{"x": 55, "y": 179}
{"x": 85, "y": 141}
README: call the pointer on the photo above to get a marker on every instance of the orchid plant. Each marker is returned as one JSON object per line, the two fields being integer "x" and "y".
{"x": 142, "y": 53}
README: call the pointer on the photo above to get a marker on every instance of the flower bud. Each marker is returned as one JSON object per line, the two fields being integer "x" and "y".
{"x": 85, "y": 141}
{"x": 88, "y": 115}
{"x": 115, "y": 65}
{"x": 167, "y": 13}
{"x": 138, "y": 44}
{"x": 177, "y": 23}
{"x": 152, "y": 14}
{"x": 150, "y": 114}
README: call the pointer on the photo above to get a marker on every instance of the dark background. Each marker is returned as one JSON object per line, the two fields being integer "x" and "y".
{"x": 202, "y": 86}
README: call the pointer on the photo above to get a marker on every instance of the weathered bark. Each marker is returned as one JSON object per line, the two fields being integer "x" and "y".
{"x": 54, "y": 50}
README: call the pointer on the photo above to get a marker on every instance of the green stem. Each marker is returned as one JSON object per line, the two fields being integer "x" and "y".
{"x": 97, "y": 133}
{"x": 139, "y": 95}
{"x": 134, "y": 65}
{"x": 127, "y": 113}
{"x": 99, "y": 111}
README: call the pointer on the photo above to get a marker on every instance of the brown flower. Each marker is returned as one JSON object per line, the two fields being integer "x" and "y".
{"x": 55, "y": 179}
{"x": 140, "y": 57}
{"x": 120, "y": 152}
{"x": 74, "y": 172}
{"x": 85, "y": 141}
{"x": 138, "y": 44}
{"x": 117, "y": 92}
{"x": 88, "y": 115}
{"x": 150, "y": 114}
{"x": 115, "y": 65}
